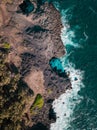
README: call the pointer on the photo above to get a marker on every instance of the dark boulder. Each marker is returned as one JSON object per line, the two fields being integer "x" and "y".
{"x": 52, "y": 114}
{"x": 38, "y": 126}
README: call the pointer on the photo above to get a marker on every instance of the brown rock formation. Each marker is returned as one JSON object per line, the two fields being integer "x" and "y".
{"x": 34, "y": 40}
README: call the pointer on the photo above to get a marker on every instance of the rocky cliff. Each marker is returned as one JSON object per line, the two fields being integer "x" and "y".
{"x": 34, "y": 37}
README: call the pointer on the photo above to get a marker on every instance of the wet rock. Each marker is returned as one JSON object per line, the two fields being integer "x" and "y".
{"x": 52, "y": 114}
{"x": 75, "y": 79}
{"x": 50, "y": 100}
{"x": 39, "y": 126}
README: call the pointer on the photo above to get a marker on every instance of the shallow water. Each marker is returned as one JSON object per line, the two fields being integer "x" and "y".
{"x": 79, "y": 35}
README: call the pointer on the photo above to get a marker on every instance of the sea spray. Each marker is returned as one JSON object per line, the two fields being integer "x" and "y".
{"x": 77, "y": 108}
{"x": 66, "y": 103}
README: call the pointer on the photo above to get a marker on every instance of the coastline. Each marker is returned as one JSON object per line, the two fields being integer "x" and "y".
{"x": 31, "y": 51}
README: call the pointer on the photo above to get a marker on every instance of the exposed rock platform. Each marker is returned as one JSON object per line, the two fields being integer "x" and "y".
{"x": 34, "y": 40}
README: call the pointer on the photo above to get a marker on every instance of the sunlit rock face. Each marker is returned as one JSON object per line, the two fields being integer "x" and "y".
{"x": 35, "y": 39}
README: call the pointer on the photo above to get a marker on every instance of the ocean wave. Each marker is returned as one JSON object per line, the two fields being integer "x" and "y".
{"x": 68, "y": 36}
{"x": 65, "y": 104}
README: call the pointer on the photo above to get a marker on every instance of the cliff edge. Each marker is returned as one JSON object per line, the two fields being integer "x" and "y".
{"x": 34, "y": 37}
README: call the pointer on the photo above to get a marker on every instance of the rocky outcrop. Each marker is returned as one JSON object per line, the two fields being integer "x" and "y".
{"x": 34, "y": 40}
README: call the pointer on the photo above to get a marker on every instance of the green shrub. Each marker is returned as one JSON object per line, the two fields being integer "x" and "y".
{"x": 6, "y": 46}
{"x": 38, "y": 103}
{"x": 14, "y": 97}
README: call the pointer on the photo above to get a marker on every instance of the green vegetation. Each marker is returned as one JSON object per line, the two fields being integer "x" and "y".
{"x": 14, "y": 96}
{"x": 6, "y": 45}
{"x": 38, "y": 103}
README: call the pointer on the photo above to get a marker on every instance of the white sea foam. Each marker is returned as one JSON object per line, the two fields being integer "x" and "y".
{"x": 56, "y": 4}
{"x": 67, "y": 37}
{"x": 70, "y": 99}
{"x": 65, "y": 104}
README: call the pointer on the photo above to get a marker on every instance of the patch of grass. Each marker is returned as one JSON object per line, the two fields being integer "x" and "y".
{"x": 38, "y": 102}
{"x": 6, "y": 46}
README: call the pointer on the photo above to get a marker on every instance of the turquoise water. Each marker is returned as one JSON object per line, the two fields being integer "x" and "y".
{"x": 26, "y": 7}
{"x": 56, "y": 64}
{"x": 79, "y": 36}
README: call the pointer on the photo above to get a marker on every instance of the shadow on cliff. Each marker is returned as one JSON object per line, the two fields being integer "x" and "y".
{"x": 27, "y": 62}
{"x": 39, "y": 126}
{"x": 37, "y": 57}
{"x": 35, "y": 29}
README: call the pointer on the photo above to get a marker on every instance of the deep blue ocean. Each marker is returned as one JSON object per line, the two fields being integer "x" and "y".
{"x": 79, "y": 36}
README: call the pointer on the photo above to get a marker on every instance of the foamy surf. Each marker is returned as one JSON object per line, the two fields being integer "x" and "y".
{"x": 65, "y": 104}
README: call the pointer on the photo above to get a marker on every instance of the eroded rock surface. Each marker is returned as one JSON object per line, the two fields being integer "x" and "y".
{"x": 34, "y": 40}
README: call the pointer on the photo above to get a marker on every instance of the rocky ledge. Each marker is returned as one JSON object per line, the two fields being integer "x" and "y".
{"x": 35, "y": 39}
